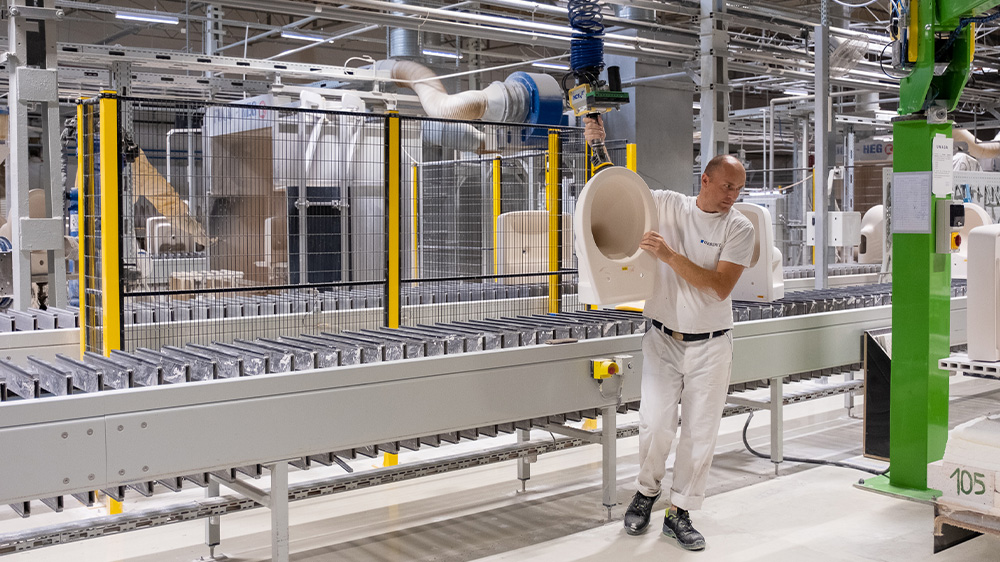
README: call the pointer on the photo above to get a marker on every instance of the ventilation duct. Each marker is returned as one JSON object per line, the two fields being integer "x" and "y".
{"x": 403, "y": 43}
{"x": 522, "y": 98}
{"x": 982, "y": 150}
{"x": 635, "y": 14}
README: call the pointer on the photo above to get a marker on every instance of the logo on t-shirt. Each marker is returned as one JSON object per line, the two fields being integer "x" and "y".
{"x": 712, "y": 244}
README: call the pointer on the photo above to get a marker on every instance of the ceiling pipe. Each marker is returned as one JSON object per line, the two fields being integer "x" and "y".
{"x": 507, "y": 32}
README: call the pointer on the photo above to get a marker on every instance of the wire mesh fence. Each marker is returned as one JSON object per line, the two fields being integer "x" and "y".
{"x": 485, "y": 209}
{"x": 251, "y": 221}
{"x": 88, "y": 212}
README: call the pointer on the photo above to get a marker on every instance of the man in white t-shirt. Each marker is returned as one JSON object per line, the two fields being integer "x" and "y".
{"x": 703, "y": 246}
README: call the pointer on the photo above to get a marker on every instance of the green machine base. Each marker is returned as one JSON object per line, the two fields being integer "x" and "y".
{"x": 881, "y": 485}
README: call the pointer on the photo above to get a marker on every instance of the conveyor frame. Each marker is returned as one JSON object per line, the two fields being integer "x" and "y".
{"x": 79, "y": 443}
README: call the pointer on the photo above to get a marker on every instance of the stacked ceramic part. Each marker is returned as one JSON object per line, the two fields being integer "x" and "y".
{"x": 984, "y": 293}
{"x": 763, "y": 279}
{"x": 872, "y": 235}
{"x": 970, "y": 470}
{"x": 612, "y": 214}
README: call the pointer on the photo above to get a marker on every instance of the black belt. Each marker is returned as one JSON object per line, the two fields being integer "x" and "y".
{"x": 680, "y": 336}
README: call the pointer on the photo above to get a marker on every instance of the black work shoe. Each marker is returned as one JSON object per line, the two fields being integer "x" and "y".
{"x": 677, "y": 525}
{"x": 637, "y": 514}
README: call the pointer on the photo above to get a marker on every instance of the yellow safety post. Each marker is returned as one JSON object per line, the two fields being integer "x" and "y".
{"x": 393, "y": 153}
{"x": 81, "y": 212}
{"x": 114, "y": 506}
{"x": 110, "y": 216}
{"x": 972, "y": 41}
{"x": 552, "y": 201}
{"x": 497, "y": 199}
{"x": 415, "y": 208}
{"x": 631, "y": 157}
{"x": 390, "y": 459}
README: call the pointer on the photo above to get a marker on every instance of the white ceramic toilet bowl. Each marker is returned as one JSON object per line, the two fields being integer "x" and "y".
{"x": 615, "y": 209}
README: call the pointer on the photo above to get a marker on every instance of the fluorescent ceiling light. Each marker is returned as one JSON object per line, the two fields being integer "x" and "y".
{"x": 795, "y": 93}
{"x": 696, "y": 105}
{"x": 152, "y": 18}
{"x": 301, "y": 36}
{"x": 552, "y": 65}
{"x": 443, "y": 54}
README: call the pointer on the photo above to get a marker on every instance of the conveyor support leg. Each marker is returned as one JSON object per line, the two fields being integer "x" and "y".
{"x": 849, "y": 396}
{"x": 213, "y": 525}
{"x": 609, "y": 444}
{"x": 279, "y": 512}
{"x": 524, "y": 463}
{"x": 777, "y": 422}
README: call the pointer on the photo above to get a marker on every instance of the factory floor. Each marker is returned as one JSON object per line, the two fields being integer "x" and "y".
{"x": 804, "y": 513}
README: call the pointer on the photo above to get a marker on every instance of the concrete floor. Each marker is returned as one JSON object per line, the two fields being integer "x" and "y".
{"x": 804, "y": 513}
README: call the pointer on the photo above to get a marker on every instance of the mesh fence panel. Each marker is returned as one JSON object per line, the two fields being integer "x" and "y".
{"x": 479, "y": 216}
{"x": 89, "y": 207}
{"x": 247, "y": 221}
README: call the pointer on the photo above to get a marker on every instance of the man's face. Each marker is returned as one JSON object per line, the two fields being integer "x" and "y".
{"x": 720, "y": 190}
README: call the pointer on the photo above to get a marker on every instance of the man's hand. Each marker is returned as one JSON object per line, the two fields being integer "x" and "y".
{"x": 593, "y": 129}
{"x": 653, "y": 243}
{"x": 718, "y": 283}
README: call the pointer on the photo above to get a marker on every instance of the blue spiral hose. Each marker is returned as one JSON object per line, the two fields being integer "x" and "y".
{"x": 587, "y": 46}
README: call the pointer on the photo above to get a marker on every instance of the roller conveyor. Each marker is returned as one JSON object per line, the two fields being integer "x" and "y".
{"x": 452, "y": 341}
{"x": 171, "y": 365}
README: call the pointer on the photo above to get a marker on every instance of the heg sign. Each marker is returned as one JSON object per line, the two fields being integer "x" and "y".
{"x": 875, "y": 151}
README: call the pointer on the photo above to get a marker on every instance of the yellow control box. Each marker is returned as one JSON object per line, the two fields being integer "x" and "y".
{"x": 604, "y": 368}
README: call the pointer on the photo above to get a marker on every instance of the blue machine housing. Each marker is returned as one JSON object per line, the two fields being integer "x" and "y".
{"x": 545, "y": 105}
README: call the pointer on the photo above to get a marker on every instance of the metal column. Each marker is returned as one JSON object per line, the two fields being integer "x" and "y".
{"x": 918, "y": 408}
{"x": 30, "y": 86}
{"x": 714, "y": 82}
{"x": 849, "y": 176}
{"x": 822, "y": 37}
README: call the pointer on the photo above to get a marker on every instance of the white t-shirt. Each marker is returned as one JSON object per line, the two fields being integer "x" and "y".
{"x": 705, "y": 239}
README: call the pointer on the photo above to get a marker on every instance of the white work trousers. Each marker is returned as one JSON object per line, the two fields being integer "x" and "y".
{"x": 697, "y": 375}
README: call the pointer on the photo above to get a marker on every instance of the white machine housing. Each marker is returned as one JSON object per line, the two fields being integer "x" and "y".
{"x": 975, "y": 216}
{"x": 612, "y": 213}
{"x": 983, "y": 314}
{"x": 764, "y": 279}
{"x": 844, "y": 228}
{"x": 872, "y": 244}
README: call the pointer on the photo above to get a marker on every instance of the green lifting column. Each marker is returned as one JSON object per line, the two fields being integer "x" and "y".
{"x": 921, "y": 325}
